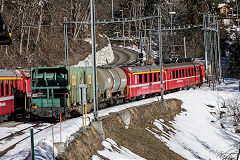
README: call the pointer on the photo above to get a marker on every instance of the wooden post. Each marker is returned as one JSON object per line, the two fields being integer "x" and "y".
{"x": 60, "y": 127}
{"x": 53, "y": 141}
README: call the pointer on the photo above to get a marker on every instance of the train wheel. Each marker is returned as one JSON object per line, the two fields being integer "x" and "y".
{"x": 33, "y": 117}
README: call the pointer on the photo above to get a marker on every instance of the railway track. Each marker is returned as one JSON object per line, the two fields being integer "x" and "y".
{"x": 21, "y": 132}
{"x": 123, "y": 56}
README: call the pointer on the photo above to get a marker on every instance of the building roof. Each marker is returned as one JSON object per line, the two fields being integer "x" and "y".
{"x": 221, "y": 5}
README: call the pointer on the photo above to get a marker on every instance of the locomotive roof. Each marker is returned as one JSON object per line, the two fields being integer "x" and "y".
{"x": 166, "y": 66}
{"x": 9, "y": 73}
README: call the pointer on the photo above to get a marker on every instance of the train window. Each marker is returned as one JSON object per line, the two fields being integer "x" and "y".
{"x": 170, "y": 75}
{"x": 155, "y": 77}
{"x": 186, "y": 72}
{"x": 180, "y": 73}
{"x": 7, "y": 88}
{"x": 183, "y": 73}
{"x": 189, "y": 71}
{"x": 150, "y": 77}
{"x": 145, "y": 78}
{"x": 176, "y": 73}
{"x": 140, "y": 78}
{"x": 136, "y": 77}
{"x": 12, "y": 88}
{"x": 192, "y": 72}
{"x": 173, "y": 74}
{"x": 1, "y": 88}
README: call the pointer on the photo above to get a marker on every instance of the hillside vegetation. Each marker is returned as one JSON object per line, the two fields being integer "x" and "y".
{"x": 37, "y": 32}
{"x": 37, "y": 28}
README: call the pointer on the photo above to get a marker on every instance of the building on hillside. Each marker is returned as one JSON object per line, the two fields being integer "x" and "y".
{"x": 225, "y": 9}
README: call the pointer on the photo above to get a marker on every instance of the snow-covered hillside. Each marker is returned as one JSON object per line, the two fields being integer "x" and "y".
{"x": 198, "y": 133}
{"x": 201, "y": 133}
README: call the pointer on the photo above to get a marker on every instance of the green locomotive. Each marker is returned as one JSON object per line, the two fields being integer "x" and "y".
{"x": 50, "y": 93}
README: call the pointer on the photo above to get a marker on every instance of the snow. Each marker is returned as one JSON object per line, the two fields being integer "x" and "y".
{"x": 197, "y": 133}
{"x": 221, "y": 5}
{"x": 104, "y": 56}
{"x": 113, "y": 151}
{"x": 6, "y": 131}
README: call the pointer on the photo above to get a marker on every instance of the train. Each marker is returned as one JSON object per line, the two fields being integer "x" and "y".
{"x": 15, "y": 92}
{"x": 66, "y": 90}
{"x": 5, "y": 36}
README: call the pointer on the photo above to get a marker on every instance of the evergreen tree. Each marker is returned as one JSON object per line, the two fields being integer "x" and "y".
{"x": 234, "y": 63}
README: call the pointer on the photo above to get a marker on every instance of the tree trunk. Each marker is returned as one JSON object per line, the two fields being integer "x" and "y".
{"x": 39, "y": 24}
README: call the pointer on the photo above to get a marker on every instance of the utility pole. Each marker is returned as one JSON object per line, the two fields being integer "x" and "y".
{"x": 150, "y": 42}
{"x": 141, "y": 43}
{"x": 219, "y": 52}
{"x": 123, "y": 30}
{"x": 93, "y": 35}
{"x": 160, "y": 48}
{"x": 112, "y": 10}
{"x": 237, "y": 12}
{"x": 185, "y": 49}
{"x": 66, "y": 41}
{"x": 172, "y": 38}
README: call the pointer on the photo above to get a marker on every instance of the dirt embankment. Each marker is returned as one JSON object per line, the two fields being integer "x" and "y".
{"x": 136, "y": 138}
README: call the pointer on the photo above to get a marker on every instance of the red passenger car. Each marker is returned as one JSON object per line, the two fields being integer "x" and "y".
{"x": 144, "y": 80}
{"x": 14, "y": 85}
{"x": 179, "y": 75}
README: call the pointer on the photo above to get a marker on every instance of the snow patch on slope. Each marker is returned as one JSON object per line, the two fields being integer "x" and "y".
{"x": 113, "y": 151}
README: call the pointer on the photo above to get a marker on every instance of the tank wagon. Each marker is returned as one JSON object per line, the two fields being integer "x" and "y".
{"x": 59, "y": 89}
{"x": 111, "y": 87}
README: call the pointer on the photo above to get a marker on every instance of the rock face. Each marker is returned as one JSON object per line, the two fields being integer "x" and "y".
{"x": 135, "y": 136}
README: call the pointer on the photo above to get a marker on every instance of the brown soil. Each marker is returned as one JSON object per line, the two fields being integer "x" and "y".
{"x": 136, "y": 138}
